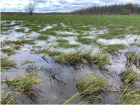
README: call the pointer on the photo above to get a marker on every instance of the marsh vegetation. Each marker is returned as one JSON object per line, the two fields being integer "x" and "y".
{"x": 74, "y": 59}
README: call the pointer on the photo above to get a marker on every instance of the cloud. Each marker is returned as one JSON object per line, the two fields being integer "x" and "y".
{"x": 55, "y": 5}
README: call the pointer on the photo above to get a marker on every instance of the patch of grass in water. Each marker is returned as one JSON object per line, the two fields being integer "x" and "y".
{"x": 132, "y": 58}
{"x": 27, "y": 62}
{"x": 8, "y": 50}
{"x": 90, "y": 89}
{"x": 19, "y": 42}
{"x": 20, "y": 30}
{"x": 25, "y": 85}
{"x": 114, "y": 48}
{"x": 130, "y": 95}
{"x": 49, "y": 32}
{"x": 106, "y": 36}
{"x": 43, "y": 37}
{"x": 17, "y": 47}
{"x": 67, "y": 45}
{"x": 113, "y": 33}
{"x": 86, "y": 40}
{"x": 6, "y": 63}
{"x": 129, "y": 76}
{"x": 77, "y": 57}
{"x": 62, "y": 41}
{"x": 50, "y": 53}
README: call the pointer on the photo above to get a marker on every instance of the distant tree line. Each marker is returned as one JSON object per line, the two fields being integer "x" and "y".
{"x": 123, "y": 9}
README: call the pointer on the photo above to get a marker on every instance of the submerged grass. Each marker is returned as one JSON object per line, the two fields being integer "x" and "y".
{"x": 90, "y": 89}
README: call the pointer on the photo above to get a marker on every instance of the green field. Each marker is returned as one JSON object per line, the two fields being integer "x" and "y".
{"x": 74, "y": 58}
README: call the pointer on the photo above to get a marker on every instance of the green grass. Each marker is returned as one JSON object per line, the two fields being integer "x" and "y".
{"x": 20, "y": 30}
{"x": 17, "y": 47}
{"x": 24, "y": 85}
{"x": 8, "y": 50}
{"x": 129, "y": 76}
{"x": 62, "y": 41}
{"x": 49, "y": 32}
{"x": 78, "y": 57}
{"x": 130, "y": 95}
{"x": 114, "y": 48}
{"x": 6, "y": 63}
{"x": 86, "y": 40}
{"x": 90, "y": 89}
{"x": 50, "y": 53}
{"x": 132, "y": 58}
{"x": 67, "y": 45}
{"x": 43, "y": 37}
{"x": 19, "y": 42}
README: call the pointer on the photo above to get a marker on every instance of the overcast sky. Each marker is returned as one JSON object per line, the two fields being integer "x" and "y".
{"x": 55, "y": 5}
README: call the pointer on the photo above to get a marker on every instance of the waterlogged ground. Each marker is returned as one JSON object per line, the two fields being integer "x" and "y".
{"x": 43, "y": 48}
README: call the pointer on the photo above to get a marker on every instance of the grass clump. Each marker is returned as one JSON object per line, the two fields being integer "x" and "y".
{"x": 24, "y": 85}
{"x": 129, "y": 96}
{"x": 62, "y": 41}
{"x": 20, "y": 30}
{"x": 74, "y": 58}
{"x": 19, "y": 42}
{"x": 90, "y": 89}
{"x": 129, "y": 76}
{"x": 86, "y": 40}
{"x": 42, "y": 37}
{"x": 106, "y": 36}
{"x": 6, "y": 63}
{"x": 17, "y": 47}
{"x": 27, "y": 62}
{"x": 67, "y": 45}
{"x": 8, "y": 51}
{"x": 50, "y": 53}
{"x": 114, "y": 48}
{"x": 132, "y": 58}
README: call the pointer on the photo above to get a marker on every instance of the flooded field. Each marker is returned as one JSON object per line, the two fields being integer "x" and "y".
{"x": 70, "y": 59}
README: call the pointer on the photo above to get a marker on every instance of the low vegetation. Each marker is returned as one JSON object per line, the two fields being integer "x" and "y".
{"x": 50, "y": 53}
{"x": 130, "y": 95}
{"x": 67, "y": 45}
{"x": 9, "y": 51}
{"x": 43, "y": 37}
{"x": 90, "y": 89}
{"x": 114, "y": 48}
{"x": 24, "y": 85}
{"x": 86, "y": 40}
{"x": 78, "y": 57}
{"x": 6, "y": 63}
{"x": 132, "y": 58}
{"x": 129, "y": 76}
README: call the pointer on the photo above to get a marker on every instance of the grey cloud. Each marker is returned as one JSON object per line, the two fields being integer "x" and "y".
{"x": 63, "y": 5}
